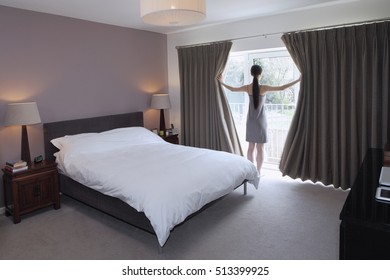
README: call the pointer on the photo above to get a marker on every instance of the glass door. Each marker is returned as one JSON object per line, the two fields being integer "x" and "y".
{"x": 278, "y": 68}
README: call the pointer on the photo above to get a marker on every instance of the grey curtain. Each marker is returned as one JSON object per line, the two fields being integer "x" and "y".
{"x": 343, "y": 107}
{"x": 206, "y": 118}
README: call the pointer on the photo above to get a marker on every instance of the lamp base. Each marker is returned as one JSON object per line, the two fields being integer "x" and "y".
{"x": 162, "y": 121}
{"x": 25, "y": 146}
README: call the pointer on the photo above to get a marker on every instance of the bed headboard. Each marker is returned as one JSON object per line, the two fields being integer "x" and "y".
{"x": 97, "y": 124}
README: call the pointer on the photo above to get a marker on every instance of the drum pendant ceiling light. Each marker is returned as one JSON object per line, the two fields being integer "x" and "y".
{"x": 173, "y": 12}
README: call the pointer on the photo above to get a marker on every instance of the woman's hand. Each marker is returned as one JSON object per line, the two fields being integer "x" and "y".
{"x": 219, "y": 77}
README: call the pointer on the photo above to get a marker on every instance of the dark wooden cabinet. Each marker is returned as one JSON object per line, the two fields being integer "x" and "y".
{"x": 30, "y": 190}
{"x": 365, "y": 222}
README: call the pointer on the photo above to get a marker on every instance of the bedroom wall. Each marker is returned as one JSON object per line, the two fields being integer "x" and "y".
{"x": 74, "y": 69}
{"x": 350, "y": 12}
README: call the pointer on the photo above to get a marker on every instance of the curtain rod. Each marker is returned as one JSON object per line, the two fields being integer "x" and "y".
{"x": 204, "y": 44}
{"x": 286, "y": 32}
{"x": 341, "y": 25}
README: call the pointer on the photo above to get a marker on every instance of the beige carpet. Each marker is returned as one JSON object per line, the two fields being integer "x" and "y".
{"x": 283, "y": 220}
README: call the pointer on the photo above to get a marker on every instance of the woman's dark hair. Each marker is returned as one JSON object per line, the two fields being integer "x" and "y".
{"x": 255, "y": 72}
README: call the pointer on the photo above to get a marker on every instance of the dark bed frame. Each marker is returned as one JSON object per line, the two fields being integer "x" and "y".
{"x": 109, "y": 205}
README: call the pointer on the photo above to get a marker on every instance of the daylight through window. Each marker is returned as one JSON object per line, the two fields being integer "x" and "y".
{"x": 278, "y": 68}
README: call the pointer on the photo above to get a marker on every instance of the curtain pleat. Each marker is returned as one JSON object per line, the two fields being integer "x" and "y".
{"x": 342, "y": 108}
{"x": 207, "y": 121}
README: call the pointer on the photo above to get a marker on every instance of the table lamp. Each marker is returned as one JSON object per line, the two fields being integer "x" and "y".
{"x": 23, "y": 114}
{"x": 161, "y": 101}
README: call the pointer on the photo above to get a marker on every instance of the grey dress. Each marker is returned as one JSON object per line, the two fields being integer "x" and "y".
{"x": 256, "y": 122}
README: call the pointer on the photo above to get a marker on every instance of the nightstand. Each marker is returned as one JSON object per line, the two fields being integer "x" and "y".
{"x": 173, "y": 138}
{"x": 31, "y": 189}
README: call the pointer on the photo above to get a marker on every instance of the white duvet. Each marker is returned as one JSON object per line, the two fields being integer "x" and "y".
{"x": 165, "y": 181}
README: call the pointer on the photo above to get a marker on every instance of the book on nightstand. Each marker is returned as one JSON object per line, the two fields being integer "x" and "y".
{"x": 15, "y": 167}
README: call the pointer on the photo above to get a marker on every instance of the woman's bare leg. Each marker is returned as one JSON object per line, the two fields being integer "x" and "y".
{"x": 259, "y": 155}
{"x": 251, "y": 150}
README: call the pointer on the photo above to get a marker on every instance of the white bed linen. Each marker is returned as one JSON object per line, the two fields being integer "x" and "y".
{"x": 165, "y": 181}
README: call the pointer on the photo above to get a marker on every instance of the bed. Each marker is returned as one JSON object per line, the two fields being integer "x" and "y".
{"x": 115, "y": 165}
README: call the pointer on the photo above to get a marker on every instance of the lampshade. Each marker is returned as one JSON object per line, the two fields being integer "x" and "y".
{"x": 160, "y": 101}
{"x": 22, "y": 114}
{"x": 173, "y": 12}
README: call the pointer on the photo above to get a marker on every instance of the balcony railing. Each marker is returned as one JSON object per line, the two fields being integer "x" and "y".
{"x": 275, "y": 145}
{"x": 279, "y": 117}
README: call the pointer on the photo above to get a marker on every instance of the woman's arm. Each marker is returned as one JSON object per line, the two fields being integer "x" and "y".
{"x": 265, "y": 88}
{"x": 235, "y": 89}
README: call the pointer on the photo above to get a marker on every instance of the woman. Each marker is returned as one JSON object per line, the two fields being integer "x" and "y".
{"x": 256, "y": 123}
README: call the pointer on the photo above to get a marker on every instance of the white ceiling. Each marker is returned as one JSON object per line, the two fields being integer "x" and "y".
{"x": 127, "y": 12}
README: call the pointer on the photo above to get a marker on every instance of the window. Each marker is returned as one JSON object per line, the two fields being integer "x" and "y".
{"x": 278, "y": 68}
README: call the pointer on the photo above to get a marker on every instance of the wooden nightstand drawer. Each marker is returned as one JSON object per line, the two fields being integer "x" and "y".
{"x": 30, "y": 190}
{"x": 36, "y": 192}
{"x": 174, "y": 138}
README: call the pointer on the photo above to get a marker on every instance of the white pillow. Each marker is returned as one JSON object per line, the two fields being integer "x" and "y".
{"x": 128, "y": 135}
{"x": 71, "y": 146}
{"x": 60, "y": 142}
